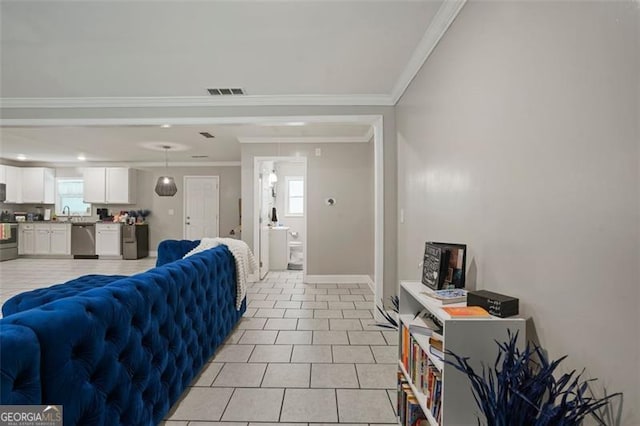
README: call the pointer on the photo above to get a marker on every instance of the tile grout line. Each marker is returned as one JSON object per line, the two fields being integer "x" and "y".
{"x": 227, "y": 404}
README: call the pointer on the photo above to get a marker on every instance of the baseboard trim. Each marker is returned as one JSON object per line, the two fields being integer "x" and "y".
{"x": 339, "y": 279}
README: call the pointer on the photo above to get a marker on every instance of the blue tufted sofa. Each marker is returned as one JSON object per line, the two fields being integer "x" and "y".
{"x": 121, "y": 353}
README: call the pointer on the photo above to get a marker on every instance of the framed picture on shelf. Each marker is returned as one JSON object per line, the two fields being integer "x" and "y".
{"x": 444, "y": 265}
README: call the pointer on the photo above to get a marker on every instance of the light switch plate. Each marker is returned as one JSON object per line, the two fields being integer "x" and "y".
{"x": 171, "y": 212}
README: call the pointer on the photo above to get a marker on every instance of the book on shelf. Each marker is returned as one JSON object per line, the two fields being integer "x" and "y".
{"x": 408, "y": 408}
{"x": 466, "y": 312}
{"x": 436, "y": 343}
{"x": 424, "y": 325}
{"x": 438, "y": 353}
{"x": 454, "y": 295}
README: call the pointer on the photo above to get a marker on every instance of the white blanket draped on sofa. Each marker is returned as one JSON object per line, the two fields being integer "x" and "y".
{"x": 245, "y": 261}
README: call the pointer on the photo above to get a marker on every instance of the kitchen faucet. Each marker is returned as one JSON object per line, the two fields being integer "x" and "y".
{"x": 67, "y": 209}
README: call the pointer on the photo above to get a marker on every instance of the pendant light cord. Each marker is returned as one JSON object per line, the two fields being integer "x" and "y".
{"x": 166, "y": 158}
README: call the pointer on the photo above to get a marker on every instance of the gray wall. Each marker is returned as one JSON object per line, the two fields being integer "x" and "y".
{"x": 163, "y": 226}
{"x": 390, "y": 149}
{"x": 339, "y": 238}
{"x": 519, "y": 136}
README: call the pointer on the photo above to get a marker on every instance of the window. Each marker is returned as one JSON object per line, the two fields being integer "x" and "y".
{"x": 295, "y": 196}
{"x": 69, "y": 192}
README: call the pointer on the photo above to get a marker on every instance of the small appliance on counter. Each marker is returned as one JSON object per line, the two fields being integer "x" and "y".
{"x": 5, "y": 216}
{"x": 103, "y": 214}
{"x": 20, "y": 216}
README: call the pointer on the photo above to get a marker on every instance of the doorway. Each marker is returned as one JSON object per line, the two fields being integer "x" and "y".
{"x": 375, "y": 120}
{"x": 280, "y": 221}
{"x": 201, "y": 207}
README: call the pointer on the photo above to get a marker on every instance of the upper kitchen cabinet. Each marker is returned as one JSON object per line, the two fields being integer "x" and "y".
{"x": 37, "y": 185}
{"x": 109, "y": 185}
{"x": 95, "y": 185}
{"x": 12, "y": 177}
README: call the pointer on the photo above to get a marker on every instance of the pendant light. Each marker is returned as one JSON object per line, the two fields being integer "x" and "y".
{"x": 166, "y": 185}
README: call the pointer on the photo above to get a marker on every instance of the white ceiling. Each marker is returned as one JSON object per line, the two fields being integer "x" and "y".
{"x": 159, "y": 49}
{"x": 148, "y": 53}
{"x": 126, "y": 144}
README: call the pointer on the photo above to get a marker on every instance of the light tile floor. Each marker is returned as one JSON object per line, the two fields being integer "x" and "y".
{"x": 304, "y": 354}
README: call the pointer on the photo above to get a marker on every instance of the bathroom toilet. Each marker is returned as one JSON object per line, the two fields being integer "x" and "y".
{"x": 295, "y": 252}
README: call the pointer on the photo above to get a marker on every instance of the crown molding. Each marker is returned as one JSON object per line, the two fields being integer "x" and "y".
{"x": 84, "y": 164}
{"x": 198, "y": 101}
{"x": 371, "y": 119}
{"x": 304, "y": 139}
{"x": 369, "y": 135}
{"x": 443, "y": 18}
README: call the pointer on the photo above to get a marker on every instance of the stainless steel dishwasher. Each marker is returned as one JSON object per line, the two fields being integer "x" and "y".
{"x": 83, "y": 241}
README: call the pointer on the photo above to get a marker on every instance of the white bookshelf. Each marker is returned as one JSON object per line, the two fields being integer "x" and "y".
{"x": 472, "y": 337}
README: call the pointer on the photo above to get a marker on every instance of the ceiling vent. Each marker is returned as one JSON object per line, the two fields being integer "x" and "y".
{"x": 235, "y": 91}
{"x": 207, "y": 135}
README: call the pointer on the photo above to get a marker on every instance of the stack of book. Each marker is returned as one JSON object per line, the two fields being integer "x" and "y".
{"x": 414, "y": 360}
{"x": 424, "y": 325}
{"x": 434, "y": 392}
{"x": 409, "y": 411}
{"x": 436, "y": 347}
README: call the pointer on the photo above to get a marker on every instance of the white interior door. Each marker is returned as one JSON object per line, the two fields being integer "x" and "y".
{"x": 263, "y": 221}
{"x": 201, "y": 207}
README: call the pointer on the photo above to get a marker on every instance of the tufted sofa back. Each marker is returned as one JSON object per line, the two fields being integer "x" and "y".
{"x": 31, "y": 299}
{"x": 20, "y": 363}
{"x": 171, "y": 250}
{"x": 123, "y": 353}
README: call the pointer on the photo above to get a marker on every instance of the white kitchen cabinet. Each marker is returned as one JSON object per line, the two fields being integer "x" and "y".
{"x": 42, "y": 238}
{"x": 60, "y": 242}
{"x": 38, "y": 185}
{"x": 13, "y": 179}
{"x": 3, "y": 173}
{"x": 26, "y": 238}
{"x": 114, "y": 185}
{"x": 94, "y": 186}
{"x": 121, "y": 185}
{"x": 108, "y": 239}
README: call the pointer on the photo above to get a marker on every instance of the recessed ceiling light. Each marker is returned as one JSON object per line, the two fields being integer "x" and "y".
{"x": 165, "y": 126}
{"x": 81, "y": 157}
{"x": 22, "y": 157}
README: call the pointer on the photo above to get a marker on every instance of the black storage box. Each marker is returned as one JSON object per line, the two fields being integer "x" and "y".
{"x": 496, "y": 304}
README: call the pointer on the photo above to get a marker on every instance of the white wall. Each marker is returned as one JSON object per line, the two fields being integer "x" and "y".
{"x": 519, "y": 136}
